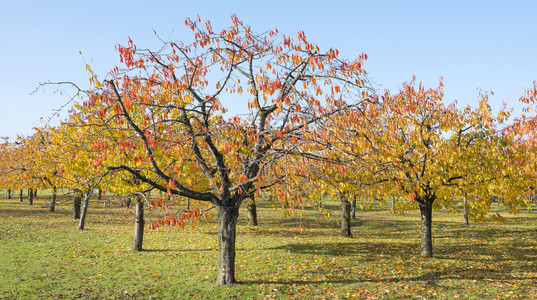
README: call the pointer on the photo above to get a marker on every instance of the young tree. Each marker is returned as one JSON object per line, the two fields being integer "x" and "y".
{"x": 167, "y": 112}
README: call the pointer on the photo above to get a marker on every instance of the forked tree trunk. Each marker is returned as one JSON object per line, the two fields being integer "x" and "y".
{"x": 465, "y": 211}
{"x": 139, "y": 225}
{"x": 252, "y": 212}
{"x": 20, "y": 196}
{"x": 9, "y": 193}
{"x": 30, "y": 197}
{"x": 84, "y": 213}
{"x": 353, "y": 209}
{"x": 426, "y": 211}
{"x": 53, "y": 201}
{"x": 76, "y": 206}
{"x": 345, "y": 216}
{"x": 227, "y": 230}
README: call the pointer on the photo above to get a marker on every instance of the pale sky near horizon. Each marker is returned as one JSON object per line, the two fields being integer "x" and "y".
{"x": 491, "y": 45}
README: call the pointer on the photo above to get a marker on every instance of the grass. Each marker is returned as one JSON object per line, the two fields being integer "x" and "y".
{"x": 44, "y": 256}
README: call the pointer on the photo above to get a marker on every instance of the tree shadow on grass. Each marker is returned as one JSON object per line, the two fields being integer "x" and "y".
{"x": 430, "y": 278}
{"x": 29, "y": 211}
{"x": 470, "y": 267}
{"x": 330, "y": 227}
{"x": 484, "y": 252}
{"x": 159, "y": 250}
{"x": 351, "y": 249}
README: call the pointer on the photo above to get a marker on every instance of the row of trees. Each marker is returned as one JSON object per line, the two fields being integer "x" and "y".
{"x": 235, "y": 114}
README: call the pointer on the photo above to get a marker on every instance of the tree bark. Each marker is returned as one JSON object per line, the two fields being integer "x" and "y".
{"x": 320, "y": 205}
{"x": 353, "y": 210}
{"x": 345, "y": 216}
{"x": 76, "y": 206}
{"x": 465, "y": 212}
{"x": 252, "y": 212}
{"x": 426, "y": 211}
{"x": 30, "y": 197}
{"x": 99, "y": 194}
{"x": 9, "y": 193}
{"x": 393, "y": 204}
{"x": 53, "y": 201}
{"x": 227, "y": 230}
{"x": 84, "y": 213}
{"x": 35, "y": 193}
{"x": 20, "y": 196}
{"x": 139, "y": 225}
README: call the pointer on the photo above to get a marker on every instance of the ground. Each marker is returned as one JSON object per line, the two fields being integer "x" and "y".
{"x": 44, "y": 256}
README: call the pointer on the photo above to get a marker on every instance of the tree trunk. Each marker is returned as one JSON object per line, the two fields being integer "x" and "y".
{"x": 53, "y": 201}
{"x": 227, "y": 230}
{"x": 252, "y": 212}
{"x": 35, "y": 193}
{"x": 100, "y": 194}
{"x": 426, "y": 211}
{"x": 76, "y": 206}
{"x": 20, "y": 196}
{"x": 139, "y": 225}
{"x": 353, "y": 210}
{"x": 393, "y": 204}
{"x": 345, "y": 216}
{"x": 465, "y": 211}
{"x": 30, "y": 197}
{"x": 84, "y": 213}
{"x": 188, "y": 204}
{"x": 9, "y": 193}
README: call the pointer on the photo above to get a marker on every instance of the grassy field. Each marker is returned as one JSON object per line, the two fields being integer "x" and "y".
{"x": 44, "y": 256}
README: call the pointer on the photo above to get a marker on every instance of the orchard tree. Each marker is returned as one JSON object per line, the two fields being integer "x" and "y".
{"x": 206, "y": 120}
{"x": 48, "y": 168}
{"x": 20, "y": 165}
{"x": 6, "y": 170}
{"x": 435, "y": 153}
{"x": 524, "y": 146}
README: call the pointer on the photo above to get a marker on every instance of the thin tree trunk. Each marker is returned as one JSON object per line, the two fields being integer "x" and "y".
{"x": 53, "y": 201}
{"x": 345, "y": 216}
{"x": 84, "y": 213}
{"x": 76, "y": 205}
{"x": 9, "y": 193}
{"x": 100, "y": 194}
{"x": 465, "y": 211}
{"x": 30, "y": 197}
{"x": 393, "y": 204}
{"x": 188, "y": 204}
{"x": 426, "y": 211}
{"x": 139, "y": 225}
{"x": 35, "y": 193}
{"x": 353, "y": 208}
{"x": 20, "y": 196}
{"x": 252, "y": 212}
{"x": 227, "y": 230}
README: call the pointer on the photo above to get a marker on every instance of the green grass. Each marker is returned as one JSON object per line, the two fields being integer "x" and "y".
{"x": 42, "y": 255}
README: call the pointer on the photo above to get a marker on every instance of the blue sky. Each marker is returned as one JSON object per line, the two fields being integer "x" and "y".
{"x": 490, "y": 45}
